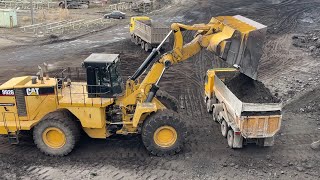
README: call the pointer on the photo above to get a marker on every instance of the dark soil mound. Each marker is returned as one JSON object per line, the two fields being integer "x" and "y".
{"x": 249, "y": 90}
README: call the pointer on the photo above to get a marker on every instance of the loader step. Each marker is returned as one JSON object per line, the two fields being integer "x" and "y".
{"x": 13, "y": 137}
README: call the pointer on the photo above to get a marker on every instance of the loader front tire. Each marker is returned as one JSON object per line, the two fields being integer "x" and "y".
{"x": 168, "y": 101}
{"x": 163, "y": 133}
{"x": 56, "y": 134}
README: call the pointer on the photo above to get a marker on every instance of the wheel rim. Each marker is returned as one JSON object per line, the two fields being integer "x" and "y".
{"x": 165, "y": 136}
{"x": 54, "y": 137}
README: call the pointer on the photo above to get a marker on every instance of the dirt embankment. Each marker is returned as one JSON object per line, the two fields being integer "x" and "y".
{"x": 249, "y": 90}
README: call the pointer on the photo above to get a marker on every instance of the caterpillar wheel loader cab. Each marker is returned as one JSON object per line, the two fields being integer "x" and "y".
{"x": 56, "y": 109}
{"x": 103, "y": 78}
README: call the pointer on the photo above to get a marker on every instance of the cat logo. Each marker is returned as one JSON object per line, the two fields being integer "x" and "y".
{"x": 32, "y": 91}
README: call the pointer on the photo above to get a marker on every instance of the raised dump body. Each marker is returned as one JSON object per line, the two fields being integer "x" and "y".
{"x": 241, "y": 122}
{"x": 147, "y": 33}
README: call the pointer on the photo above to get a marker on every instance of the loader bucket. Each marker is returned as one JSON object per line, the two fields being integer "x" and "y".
{"x": 239, "y": 42}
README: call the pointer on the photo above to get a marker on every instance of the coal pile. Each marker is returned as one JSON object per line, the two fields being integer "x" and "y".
{"x": 249, "y": 90}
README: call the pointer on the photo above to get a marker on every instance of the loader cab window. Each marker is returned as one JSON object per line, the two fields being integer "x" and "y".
{"x": 103, "y": 77}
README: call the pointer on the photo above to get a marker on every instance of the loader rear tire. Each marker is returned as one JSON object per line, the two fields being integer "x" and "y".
{"x": 56, "y": 134}
{"x": 163, "y": 133}
{"x": 167, "y": 100}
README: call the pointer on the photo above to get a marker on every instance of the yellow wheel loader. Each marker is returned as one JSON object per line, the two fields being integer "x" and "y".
{"x": 56, "y": 109}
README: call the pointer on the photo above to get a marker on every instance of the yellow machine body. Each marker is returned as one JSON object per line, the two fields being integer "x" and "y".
{"x": 24, "y": 104}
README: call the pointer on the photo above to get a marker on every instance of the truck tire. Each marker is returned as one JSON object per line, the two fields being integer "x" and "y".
{"x": 230, "y": 138}
{"x": 224, "y": 128}
{"x": 208, "y": 105}
{"x": 136, "y": 41}
{"x": 147, "y": 47}
{"x": 56, "y": 134}
{"x": 167, "y": 100}
{"x": 163, "y": 133}
{"x": 142, "y": 44}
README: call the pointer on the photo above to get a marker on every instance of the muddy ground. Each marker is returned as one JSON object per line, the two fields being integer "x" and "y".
{"x": 289, "y": 71}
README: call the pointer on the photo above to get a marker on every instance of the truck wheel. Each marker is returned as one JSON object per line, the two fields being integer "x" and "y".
{"x": 230, "y": 138}
{"x": 147, "y": 47}
{"x": 142, "y": 44}
{"x": 214, "y": 117}
{"x": 136, "y": 40}
{"x": 56, "y": 134}
{"x": 163, "y": 133}
{"x": 167, "y": 100}
{"x": 132, "y": 38}
{"x": 224, "y": 128}
{"x": 120, "y": 17}
{"x": 209, "y": 107}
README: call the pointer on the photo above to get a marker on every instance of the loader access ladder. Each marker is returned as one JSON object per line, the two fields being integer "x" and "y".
{"x": 13, "y": 135}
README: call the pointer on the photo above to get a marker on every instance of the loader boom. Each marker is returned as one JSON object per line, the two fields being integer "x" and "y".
{"x": 235, "y": 39}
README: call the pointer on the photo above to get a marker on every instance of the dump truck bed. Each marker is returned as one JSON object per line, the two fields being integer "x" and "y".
{"x": 150, "y": 31}
{"x": 253, "y": 120}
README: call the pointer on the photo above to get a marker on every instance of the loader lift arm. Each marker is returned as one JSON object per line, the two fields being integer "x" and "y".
{"x": 235, "y": 39}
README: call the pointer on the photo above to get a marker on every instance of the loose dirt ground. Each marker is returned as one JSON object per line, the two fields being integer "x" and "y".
{"x": 291, "y": 72}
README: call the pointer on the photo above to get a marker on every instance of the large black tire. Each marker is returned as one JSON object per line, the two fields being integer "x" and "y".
{"x": 161, "y": 121}
{"x": 142, "y": 44}
{"x": 62, "y": 121}
{"x": 136, "y": 40}
{"x": 132, "y": 38}
{"x": 147, "y": 47}
{"x": 230, "y": 138}
{"x": 224, "y": 128}
{"x": 167, "y": 100}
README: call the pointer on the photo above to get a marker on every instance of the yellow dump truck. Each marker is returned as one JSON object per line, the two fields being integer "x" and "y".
{"x": 241, "y": 122}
